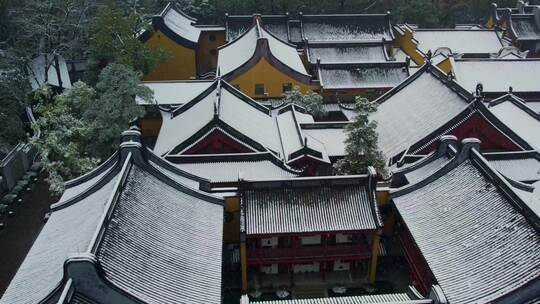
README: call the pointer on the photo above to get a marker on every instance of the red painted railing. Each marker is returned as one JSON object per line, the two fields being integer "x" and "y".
{"x": 306, "y": 254}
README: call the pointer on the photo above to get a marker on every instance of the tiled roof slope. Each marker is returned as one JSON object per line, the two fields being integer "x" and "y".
{"x": 135, "y": 214}
{"x": 478, "y": 236}
{"x": 498, "y": 75}
{"x": 418, "y": 106}
{"x": 380, "y": 75}
{"x": 228, "y": 168}
{"x": 310, "y": 205}
{"x": 346, "y": 53}
{"x": 276, "y": 24}
{"x": 390, "y": 298}
{"x": 458, "y": 41}
{"x": 519, "y": 166}
{"x": 520, "y": 118}
{"x": 317, "y": 28}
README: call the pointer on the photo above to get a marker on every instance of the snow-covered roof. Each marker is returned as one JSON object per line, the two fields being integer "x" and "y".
{"x": 472, "y": 230}
{"x": 346, "y": 27}
{"x": 175, "y": 92}
{"x": 458, "y": 41}
{"x": 228, "y": 168}
{"x": 226, "y": 109}
{"x": 514, "y": 113}
{"x": 315, "y": 204}
{"x": 362, "y": 76}
{"x": 181, "y": 24}
{"x": 497, "y": 75}
{"x": 102, "y": 222}
{"x": 56, "y": 67}
{"x": 331, "y": 135}
{"x": 525, "y": 27}
{"x": 255, "y": 44}
{"x": 276, "y": 24}
{"x": 346, "y": 53}
{"x": 417, "y": 107}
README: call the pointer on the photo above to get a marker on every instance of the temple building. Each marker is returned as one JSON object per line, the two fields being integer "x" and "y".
{"x": 261, "y": 65}
{"x": 321, "y": 231}
{"x": 134, "y": 230}
{"x": 192, "y": 49}
{"x": 459, "y": 42}
{"x": 224, "y": 120}
{"x": 466, "y": 227}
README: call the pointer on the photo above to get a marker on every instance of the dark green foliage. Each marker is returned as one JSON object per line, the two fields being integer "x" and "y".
{"x": 14, "y": 89}
{"x": 114, "y": 38}
{"x": 361, "y": 144}
{"x": 82, "y": 125}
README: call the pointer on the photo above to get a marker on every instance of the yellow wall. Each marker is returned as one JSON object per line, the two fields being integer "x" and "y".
{"x": 445, "y": 65}
{"x": 150, "y": 126}
{"x": 181, "y": 63}
{"x": 207, "y": 52}
{"x": 405, "y": 42}
{"x": 264, "y": 73}
{"x": 231, "y": 229}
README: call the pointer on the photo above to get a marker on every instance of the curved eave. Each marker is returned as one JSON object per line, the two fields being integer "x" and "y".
{"x": 158, "y": 24}
{"x": 262, "y": 50}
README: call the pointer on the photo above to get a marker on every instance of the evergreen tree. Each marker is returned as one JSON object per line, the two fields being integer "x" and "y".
{"x": 64, "y": 134}
{"x": 114, "y": 38}
{"x": 361, "y": 143}
{"x": 311, "y": 101}
{"x": 82, "y": 126}
{"x": 114, "y": 108}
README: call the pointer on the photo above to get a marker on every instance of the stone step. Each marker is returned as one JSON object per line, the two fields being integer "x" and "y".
{"x": 309, "y": 293}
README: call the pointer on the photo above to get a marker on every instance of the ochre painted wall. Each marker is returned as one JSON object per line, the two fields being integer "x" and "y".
{"x": 445, "y": 65}
{"x": 180, "y": 65}
{"x": 405, "y": 42}
{"x": 207, "y": 52}
{"x": 231, "y": 229}
{"x": 273, "y": 79}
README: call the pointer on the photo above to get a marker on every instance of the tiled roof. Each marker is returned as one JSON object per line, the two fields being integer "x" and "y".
{"x": 497, "y": 75}
{"x": 390, "y": 298}
{"x": 226, "y": 168}
{"x": 175, "y": 92}
{"x": 346, "y": 27}
{"x": 332, "y": 136}
{"x": 276, "y": 24}
{"x": 362, "y": 76}
{"x": 525, "y": 27}
{"x": 514, "y": 113}
{"x": 470, "y": 227}
{"x": 518, "y": 166}
{"x": 180, "y": 23}
{"x": 310, "y": 205}
{"x": 418, "y": 106}
{"x": 251, "y": 124}
{"x": 346, "y": 53}
{"x": 175, "y": 235}
{"x": 134, "y": 214}
{"x": 458, "y": 41}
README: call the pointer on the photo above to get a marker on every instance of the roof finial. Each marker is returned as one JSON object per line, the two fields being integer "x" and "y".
{"x": 510, "y": 90}
{"x": 305, "y": 141}
{"x": 429, "y": 55}
{"x": 479, "y": 89}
